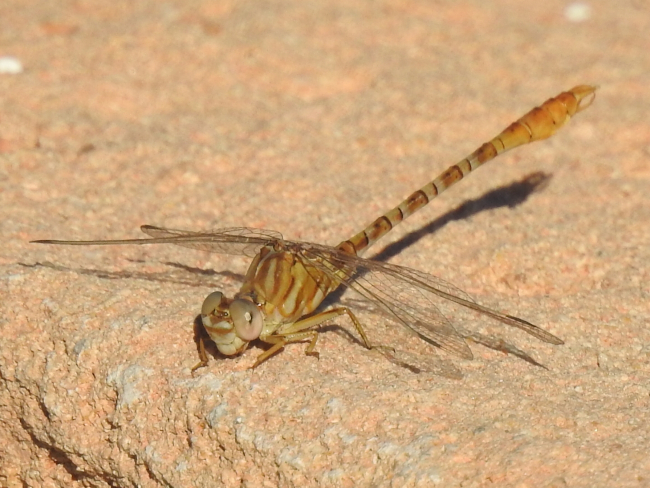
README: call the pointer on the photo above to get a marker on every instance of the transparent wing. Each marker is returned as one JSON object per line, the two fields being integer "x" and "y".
{"x": 442, "y": 289}
{"x": 244, "y": 241}
{"x": 234, "y": 240}
{"x": 405, "y": 303}
{"x": 410, "y": 297}
{"x": 407, "y": 295}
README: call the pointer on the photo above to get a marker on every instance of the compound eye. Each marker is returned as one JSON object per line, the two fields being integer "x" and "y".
{"x": 247, "y": 319}
{"x": 211, "y": 303}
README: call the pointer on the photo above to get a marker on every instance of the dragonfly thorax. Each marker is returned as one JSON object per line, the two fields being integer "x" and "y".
{"x": 231, "y": 324}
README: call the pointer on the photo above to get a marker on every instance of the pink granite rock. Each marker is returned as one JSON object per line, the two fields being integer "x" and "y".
{"x": 312, "y": 118}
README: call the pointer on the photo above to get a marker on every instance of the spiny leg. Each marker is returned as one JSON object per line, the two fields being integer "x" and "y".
{"x": 319, "y": 318}
{"x": 298, "y": 332}
{"x": 279, "y": 341}
{"x": 200, "y": 336}
{"x": 203, "y": 356}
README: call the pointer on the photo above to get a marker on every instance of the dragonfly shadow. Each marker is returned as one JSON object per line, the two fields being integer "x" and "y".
{"x": 185, "y": 275}
{"x": 510, "y": 195}
{"x": 505, "y": 196}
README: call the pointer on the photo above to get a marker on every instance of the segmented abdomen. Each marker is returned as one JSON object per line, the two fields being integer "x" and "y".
{"x": 540, "y": 123}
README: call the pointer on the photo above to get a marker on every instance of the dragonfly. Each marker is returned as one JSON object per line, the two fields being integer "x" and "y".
{"x": 287, "y": 280}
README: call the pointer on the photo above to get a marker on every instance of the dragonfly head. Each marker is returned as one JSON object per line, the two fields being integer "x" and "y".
{"x": 231, "y": 324}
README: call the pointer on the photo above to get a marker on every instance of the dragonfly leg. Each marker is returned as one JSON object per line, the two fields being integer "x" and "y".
{"x": 314, "y": 320}
{"x": 203, "y": 356}
{"x": 359, "y": 327}
{"x": 299, "y": 331}
{"x": 280, "y": 340}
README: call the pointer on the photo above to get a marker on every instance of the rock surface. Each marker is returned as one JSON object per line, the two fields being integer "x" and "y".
{"x": 313, "y": 118}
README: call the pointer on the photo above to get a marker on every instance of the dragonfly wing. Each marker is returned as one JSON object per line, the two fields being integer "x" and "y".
{"x": 406, "y": 303}
{"x": 445, "y": 290}
{"x": 236, "y": 240}
{"x": 411, "y": 307}
{"x": 405, "y": 279}
{"x": 240, "y": 241}
{"x": 410, "y": 296}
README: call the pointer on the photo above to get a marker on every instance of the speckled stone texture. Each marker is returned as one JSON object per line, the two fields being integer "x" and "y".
{"x": 312, "y": 118}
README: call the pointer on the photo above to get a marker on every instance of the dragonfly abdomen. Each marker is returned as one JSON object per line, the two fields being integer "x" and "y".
{"x": 540, "y": 123}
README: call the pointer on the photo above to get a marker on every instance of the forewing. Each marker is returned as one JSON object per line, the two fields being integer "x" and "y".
{"x": 244, "y": 241}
